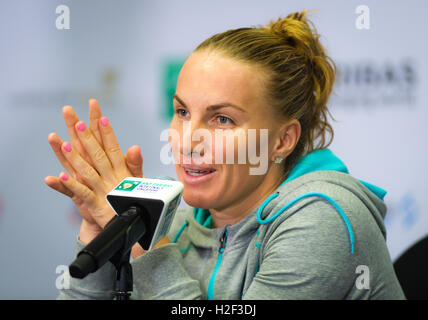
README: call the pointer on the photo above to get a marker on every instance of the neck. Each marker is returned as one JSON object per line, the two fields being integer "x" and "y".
{"x": 245, "y": 205}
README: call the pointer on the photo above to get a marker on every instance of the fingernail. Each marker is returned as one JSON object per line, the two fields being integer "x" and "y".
{"x": 64, "y": 176}
{"x": 67, "y": 146}
{"x": 81, "y": 126}
{"x": 104, "y": 121}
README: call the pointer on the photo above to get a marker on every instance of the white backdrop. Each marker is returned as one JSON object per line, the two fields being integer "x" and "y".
{"x": 120, "y": 55}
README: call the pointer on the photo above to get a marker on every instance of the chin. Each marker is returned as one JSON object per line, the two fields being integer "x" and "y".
{"x": 199, "y": 192}
{"x": 196, "y": 200}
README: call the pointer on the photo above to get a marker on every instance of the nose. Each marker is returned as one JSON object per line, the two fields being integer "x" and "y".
{"x": 194, "y": 136}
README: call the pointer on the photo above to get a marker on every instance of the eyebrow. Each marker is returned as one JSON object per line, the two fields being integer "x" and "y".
{"x": 212, "y": 107}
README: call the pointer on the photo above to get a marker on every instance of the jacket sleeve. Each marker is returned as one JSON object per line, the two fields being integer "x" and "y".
{"x": 95, "y": 286}
{"x": 161, "y": 274}
{"x": 158, "y": 274}
{"x": 306, "y": 256}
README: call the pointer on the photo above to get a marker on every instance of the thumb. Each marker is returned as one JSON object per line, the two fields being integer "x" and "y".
{"x": 134, "y": 161}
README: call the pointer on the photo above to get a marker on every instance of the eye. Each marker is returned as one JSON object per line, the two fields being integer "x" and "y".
{"x": 181, "y": 112}
{"x": 225, "y": 120}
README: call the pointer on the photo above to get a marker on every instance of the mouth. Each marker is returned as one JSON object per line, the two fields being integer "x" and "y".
{"x": 196, "y": 174}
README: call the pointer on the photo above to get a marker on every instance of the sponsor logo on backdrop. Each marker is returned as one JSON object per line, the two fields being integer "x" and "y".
{"x": 105, "y": 90}
{"x": 170, "y": 71}
{"x": 372, "y": 84}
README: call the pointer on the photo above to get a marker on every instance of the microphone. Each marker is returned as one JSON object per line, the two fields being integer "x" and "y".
{"x": 144, "y": 210}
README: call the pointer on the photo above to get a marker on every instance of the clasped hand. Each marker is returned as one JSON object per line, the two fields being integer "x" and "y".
{"x": 95, "y": 165}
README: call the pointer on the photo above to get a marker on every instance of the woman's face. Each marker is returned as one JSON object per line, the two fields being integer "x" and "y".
{"x": 219, "y": 95}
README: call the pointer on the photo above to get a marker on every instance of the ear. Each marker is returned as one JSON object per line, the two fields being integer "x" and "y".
{"x": 287, "y": 139}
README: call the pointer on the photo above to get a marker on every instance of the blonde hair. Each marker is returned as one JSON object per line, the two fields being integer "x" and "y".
{"x": 300, "y": 74}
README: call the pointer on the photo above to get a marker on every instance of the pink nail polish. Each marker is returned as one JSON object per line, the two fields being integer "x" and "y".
{"x": 81, "y": 126}
{"x": 64, "y": 177}
{"x": 67, "y": 147}
{"x": 104, "y": 121}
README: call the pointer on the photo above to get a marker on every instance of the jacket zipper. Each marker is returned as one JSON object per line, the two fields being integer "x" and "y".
{"x": 223, "y": 242}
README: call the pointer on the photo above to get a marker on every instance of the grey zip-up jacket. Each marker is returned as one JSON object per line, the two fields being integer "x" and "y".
{"x": 319, "y": 236}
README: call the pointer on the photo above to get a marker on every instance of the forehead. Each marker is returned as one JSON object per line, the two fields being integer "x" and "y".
{"x": 209, "y": 77}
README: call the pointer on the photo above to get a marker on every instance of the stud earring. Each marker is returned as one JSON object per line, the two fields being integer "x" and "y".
{"x": 278, "y": 160}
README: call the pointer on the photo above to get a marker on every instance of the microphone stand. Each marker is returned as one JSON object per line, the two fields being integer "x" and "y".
{"x": 121, "y": 260}
{"x": 119, "y": 235}
{"x": 124, "y": 279}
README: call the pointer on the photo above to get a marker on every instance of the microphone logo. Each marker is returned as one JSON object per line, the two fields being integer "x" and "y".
{"x": 127, "y": 185}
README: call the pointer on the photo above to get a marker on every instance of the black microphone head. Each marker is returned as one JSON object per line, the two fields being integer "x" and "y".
{"x": 82, "y": 266}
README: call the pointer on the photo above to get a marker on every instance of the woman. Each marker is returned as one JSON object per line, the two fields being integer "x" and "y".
{"x": 303, "y": 229}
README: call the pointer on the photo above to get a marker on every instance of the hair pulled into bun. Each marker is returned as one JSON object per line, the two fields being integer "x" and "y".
{"x": 300, "y": 33}
{"x": 296, "y": 30}
{"x": 300, "y": 74}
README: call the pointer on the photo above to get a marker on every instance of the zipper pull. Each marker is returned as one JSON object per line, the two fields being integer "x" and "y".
{"x": 223, "y": 241}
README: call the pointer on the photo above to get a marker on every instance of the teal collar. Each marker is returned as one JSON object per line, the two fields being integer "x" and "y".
{"x": 318, "y": 160}
{"x": 203, "y": 217}
{"x": 324, "y": 159}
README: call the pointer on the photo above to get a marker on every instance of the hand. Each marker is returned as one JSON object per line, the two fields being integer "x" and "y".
{"x": 133, "y": 157}
{"x": 95, "y": 164}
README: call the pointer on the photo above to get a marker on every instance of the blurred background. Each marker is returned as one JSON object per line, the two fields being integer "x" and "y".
{"x": 127, "y": 54}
